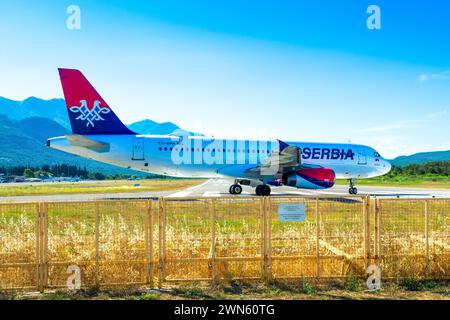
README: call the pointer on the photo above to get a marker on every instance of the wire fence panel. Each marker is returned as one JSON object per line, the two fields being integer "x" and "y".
{"x": 238, "y": 238}
{"x": 186, "y": 239}
{"x": 71, "y": 238}
{"x": 122, "y": 252}
{"x": 136, "y": 242}
{"x": 18, "y": 246}
{"x": 342, "y": 237}
{"x": 414, "y": 237}
{"x": 292, "y": 246}
{"x": 438, "y": 250}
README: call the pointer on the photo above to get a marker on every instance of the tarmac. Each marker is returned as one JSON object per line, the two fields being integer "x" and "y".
{"x": 219, "y": 188}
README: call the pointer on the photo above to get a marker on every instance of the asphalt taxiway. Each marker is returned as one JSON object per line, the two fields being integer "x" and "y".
{"x": 219, "y": 188}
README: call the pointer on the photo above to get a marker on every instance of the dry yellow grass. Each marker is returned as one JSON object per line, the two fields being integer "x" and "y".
{"x": 124, "y": 228}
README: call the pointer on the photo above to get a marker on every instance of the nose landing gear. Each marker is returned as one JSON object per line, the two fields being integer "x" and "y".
{"x": 235, "y": 189}
{"x": 352, "y": 189}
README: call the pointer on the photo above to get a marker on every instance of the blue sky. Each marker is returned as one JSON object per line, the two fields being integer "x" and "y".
{"x": 292, "y": 70}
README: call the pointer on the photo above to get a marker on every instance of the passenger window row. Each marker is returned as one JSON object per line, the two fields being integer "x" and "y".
{"x": 215, "y": 150}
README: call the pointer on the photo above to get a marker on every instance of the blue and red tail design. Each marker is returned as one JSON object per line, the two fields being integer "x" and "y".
{"x": 89, "y": 114}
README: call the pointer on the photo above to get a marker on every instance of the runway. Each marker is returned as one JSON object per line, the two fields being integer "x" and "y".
{"x": 219, "y": 188}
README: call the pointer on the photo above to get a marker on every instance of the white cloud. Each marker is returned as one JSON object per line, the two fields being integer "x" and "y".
{"x": 444, "y": 75}
{"x": 390, "y": 146}
{"x": 403, "y": 124}
{"x": 436, "y": 114}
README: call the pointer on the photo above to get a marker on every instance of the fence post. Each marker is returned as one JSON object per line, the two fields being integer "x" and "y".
{"x": 149, "y": 245}
{"x": 367, "y": 239}
{"x": 213, "y": 241}
{"x": 377, "y": 231}
{"x": 97, "y": 243}
{"x": 427, "y": 236}
{"x": 42, "y": 247}
{"x": 262, "y": 217}
{"x": 317, "y": 239}
{"x": 161, "y": 242}
{"x": 268, "y": 237}
{"x": 38, "y": 246}
{"x": 45, "y": 244}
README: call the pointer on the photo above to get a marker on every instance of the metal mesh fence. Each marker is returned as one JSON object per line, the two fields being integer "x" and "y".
{"x": 185, "y": 244}
{"x": 414, "y": 238}
{"x": 71, "y": 240}
{"x": 132, "y": 243}
{"x": 292, "y": 248}
{"x": 329, "y": 243}
{"x": 18, "y": 246}
{"x": 238, "y": 238}
{"x": 341, "y": 237}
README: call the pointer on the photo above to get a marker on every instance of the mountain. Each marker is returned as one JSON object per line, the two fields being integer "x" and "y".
{"x": 54, "y": 109}
{"x": 22, "y": 143}
{"x": 26, "y": 125}
{"x": 143, "y": 127}
{"x": 422, "y": 157}
{"x": 151, "y": 127}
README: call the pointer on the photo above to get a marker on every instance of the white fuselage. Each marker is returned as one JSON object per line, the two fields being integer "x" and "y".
{"x": 201, "y": 157}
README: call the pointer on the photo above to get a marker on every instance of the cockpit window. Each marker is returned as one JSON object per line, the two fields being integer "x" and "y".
{"x": 376, "y": 155}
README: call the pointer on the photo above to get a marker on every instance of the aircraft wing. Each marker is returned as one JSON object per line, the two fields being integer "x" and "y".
{"x": 287, "y": 159}
{"x": 94, "y": 145}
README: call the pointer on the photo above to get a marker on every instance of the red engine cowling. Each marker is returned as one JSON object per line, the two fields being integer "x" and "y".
{"x": 314, "y": 178}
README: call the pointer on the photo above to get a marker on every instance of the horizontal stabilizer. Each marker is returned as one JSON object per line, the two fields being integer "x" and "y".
{"x": 81, "y": 141}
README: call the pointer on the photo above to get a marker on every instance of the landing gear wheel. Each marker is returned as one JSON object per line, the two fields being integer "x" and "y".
{"x": 352, "y": 189}
{"x": 258, "y": 190}
{"x": 235, "y": 189}
{"x": 263, "y": 190}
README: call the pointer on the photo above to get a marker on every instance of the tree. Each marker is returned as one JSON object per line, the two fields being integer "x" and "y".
{"x": 27, "y": 173}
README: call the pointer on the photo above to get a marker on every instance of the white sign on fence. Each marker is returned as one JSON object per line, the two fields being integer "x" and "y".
{"x": 291, "y": 213}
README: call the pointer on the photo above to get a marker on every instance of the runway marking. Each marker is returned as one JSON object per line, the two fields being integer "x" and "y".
{"x": 276, "y": 193}
{"x": 211, "y": 194}
{"x": 187, "y": 191}
{"x": 196, "y": 187}
{"x": 302, "y": 193}
{"x": 180, "y": 194}
{"x": 330, "y": 193}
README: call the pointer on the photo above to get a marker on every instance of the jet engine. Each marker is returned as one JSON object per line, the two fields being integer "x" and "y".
{"x": 310, "y": 178}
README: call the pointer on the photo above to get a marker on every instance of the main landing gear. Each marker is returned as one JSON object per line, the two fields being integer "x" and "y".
{"x": 263, "y": 190}
{"x": 352, "y": 189}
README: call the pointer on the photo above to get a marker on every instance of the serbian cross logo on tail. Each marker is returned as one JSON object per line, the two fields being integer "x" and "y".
{"x": 90, "y": 115}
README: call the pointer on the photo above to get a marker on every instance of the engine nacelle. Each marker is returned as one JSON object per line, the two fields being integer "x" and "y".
{"x": 314, "y": 178}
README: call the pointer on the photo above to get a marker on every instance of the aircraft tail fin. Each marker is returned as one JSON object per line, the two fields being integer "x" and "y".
{"x": 89, "y": 114}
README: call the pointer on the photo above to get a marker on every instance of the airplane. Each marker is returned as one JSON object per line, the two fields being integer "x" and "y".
{"x": 98, "y": 134}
